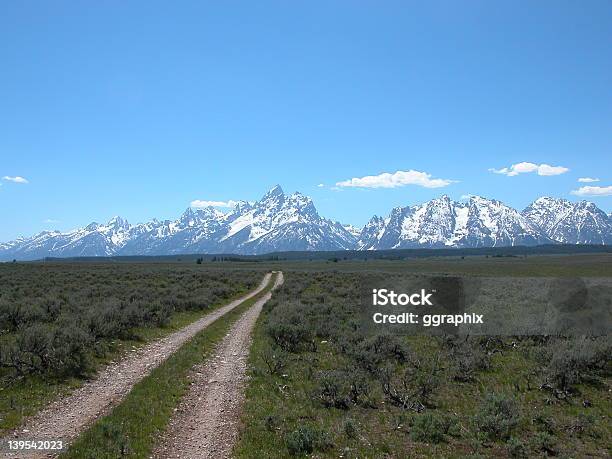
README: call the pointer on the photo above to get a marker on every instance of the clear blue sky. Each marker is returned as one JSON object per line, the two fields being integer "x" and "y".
{"x": 138, "y": 108}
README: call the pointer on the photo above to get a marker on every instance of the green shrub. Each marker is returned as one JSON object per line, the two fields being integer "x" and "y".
{"x": 55, "y": 317}
{"x": 371, "y": 352}
{"x": 466, "y": 360}
{"x": 304, "y": 440}
{"x": 431, "y": 428}
{"x": 350, "y": 428}
{"x": 341, "y": 387}
{"x": 545, "y": 442}
{"x": 413, "y": 386}
{"x": 545, "y": 422}
{"x": 573, "y": 360}
{"x": 583, "y": 424}
{"x": 360, "y": 388}
{"x": 15, "y": 315}
{"x": 516, "y": 448}
{"x": 70, "y": 355}
{"x": 498, "y": 416}
{"x": 275, "y": 360}
{"x": 157, "y": 314}
{"x": 333, "y": 389}
{"x": 287, "y": 327}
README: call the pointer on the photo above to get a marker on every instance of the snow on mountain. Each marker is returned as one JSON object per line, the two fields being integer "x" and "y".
{"x": 280, "y": 222}
{"x": 93, "y": 240}
{"x": 276, "y": 222}
{"x": 353, "y": 230}
{"x": 371, "y": 233}
{"x": 441, "y": 222}
{"x": 489, "y": 222}
{"x": 570, "y": 223}
{"x": 195, "y": 228}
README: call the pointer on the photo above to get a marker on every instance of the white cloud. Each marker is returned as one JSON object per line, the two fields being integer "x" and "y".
{"x": 16, "y": 179}
{"x": 588, "y": 180}
{"x": 545, "y": 169}
{"x": 526, "y": 167}
{"x": 320, "y": 185}
{"x": 593, "y": 191}
{"x": 50, "y": 220}
{"x": 200, "y": 203}
{"x": 397, "y": 179}
{"x": 466, "y": 196}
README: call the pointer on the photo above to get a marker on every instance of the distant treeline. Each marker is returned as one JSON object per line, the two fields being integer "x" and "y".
{"x": 363, "y": 255}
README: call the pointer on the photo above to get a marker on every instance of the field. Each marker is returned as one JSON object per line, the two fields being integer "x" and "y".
{"x": 323, "y": 387}
{"x": 592, "y": 265}
{"x": 61, "y": 321}
{"x": 320, "y": 384}
{"x": 134, "y": 426}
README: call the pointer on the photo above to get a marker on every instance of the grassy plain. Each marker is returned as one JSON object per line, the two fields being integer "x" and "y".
{"x": 322, "y": 387}
{"x": 579, "y": 265}
{"x": 319, "y": 386}
{"x": 132, "y": 428}
{"x": 60, "y": 321}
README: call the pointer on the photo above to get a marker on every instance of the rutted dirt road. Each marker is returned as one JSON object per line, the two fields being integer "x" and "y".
{"x": 206, "y": 422}
{"x": 67, "y": 417}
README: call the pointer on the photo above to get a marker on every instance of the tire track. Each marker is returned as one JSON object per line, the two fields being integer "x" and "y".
{"x": 64, "y": 419}
{"x": 206, "y": 421}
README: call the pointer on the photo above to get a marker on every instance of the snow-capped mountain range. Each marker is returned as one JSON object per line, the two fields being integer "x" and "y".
{"x": 441, "y": 222}
{"x": 280, "y": 222}
{"x": 571, "y": 223}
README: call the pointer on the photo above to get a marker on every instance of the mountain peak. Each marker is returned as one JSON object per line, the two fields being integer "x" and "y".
{"x": 570, "y": 222}
{"x": 189, "y": 212}
{"x": 92, "y": 226}
{"x": 443, "y": 200}
{"x": 242, "y": 206}
{"x": 549, "y": 199}
{"x": 118, "y": 222}
{"x": 274, "y": 191}
{"x": 190, "y": 217}
{"x": 282, "y": 222}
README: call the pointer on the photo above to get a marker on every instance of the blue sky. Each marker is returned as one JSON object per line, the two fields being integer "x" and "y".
{"x": 139, "y": 108}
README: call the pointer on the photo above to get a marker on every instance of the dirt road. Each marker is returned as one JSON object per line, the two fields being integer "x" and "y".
{"x": 67, "y": 417}
{"x": 206, "y": 422}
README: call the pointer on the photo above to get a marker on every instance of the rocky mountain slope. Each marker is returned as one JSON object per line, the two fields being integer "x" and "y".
{"x": 277, "y": 222}
{"x": 280, "y": 222}
{"x": 441, "y": 222}
{"x": 570, "y": 223}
